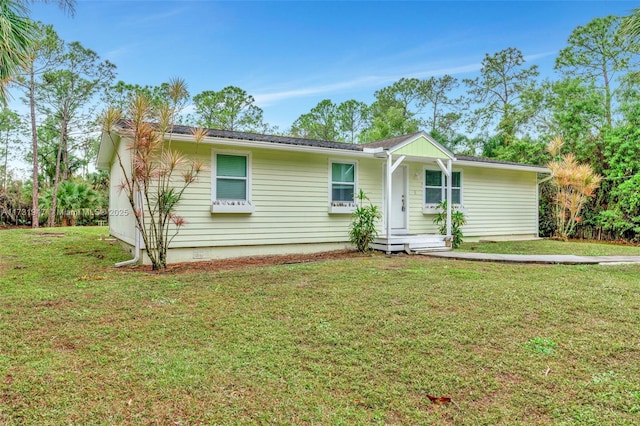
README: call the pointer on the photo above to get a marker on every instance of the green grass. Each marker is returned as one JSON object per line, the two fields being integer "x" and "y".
{"x": 545, "y": 246}
{"x": 339, "y": 342}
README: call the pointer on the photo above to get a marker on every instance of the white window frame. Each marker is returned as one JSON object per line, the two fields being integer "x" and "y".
{"x": 431, "y": 208}
{"x": 230, "y": 206}
{"x": 342, "y": 207}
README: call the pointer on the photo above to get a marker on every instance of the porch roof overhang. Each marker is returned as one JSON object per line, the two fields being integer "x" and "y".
{"x": 416, "y": 146}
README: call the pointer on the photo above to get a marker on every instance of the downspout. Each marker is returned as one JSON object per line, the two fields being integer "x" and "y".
{"x": 388, "y": 201}
{"x": 138, "y": 240}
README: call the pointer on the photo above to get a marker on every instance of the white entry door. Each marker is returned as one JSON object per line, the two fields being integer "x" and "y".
{"x": 399, "y": 201}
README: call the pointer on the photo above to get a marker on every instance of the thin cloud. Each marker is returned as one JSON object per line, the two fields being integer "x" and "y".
{"x": 374, "y": 81}
{"x": 540, "y": 55}
{"x": 120, "y": 52}
{"x": 357, "y": 83}
{"x": 157, "y": 17}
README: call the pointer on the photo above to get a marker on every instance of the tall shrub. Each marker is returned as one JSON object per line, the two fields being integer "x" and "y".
{"x": 457, "y": 222}
{"x": 363, "y": 230}
{"x": 573, "y": 185}
{"x": 158, "y": 175}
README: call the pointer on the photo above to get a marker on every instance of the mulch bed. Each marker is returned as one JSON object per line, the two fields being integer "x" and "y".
{"x": 258, "y": 261}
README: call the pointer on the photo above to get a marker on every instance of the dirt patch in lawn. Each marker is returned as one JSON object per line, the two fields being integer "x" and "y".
{"x": 260, "y": 261}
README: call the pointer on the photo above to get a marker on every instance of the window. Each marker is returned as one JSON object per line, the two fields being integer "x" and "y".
{"x": 231, "y": 179}
{"x": 343, "y": 182}
{"x": 342, "y": 187}
{"x": 435, "y": 188}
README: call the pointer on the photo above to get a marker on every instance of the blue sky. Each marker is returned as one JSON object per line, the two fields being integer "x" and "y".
{"x": 291, "y": 55}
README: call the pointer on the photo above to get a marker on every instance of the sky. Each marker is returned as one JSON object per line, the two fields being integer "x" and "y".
{"x": 290, "y": 55}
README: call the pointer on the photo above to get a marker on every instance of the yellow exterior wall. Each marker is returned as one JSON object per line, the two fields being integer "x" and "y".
{"x": 421, "y": 147}
{"x": 499, "y": 202}
{"x": 290, "y": 193}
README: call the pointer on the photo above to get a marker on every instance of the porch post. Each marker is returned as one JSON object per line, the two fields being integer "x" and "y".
{"x": 387, "y": 206}
{"x": 449, "y": 199}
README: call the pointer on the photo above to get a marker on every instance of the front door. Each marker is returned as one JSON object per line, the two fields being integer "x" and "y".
{"x": 399, "y": 200}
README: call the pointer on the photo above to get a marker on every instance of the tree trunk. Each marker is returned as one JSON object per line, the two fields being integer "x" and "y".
{"x": 35, "y": 209}
{"x": 56, "y": 181}
{"x": 6, "y": 163}
{"x": 65, "y": 153}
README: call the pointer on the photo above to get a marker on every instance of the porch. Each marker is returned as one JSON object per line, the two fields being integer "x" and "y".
{"x": 411, "y": 243}
{"x": 401, "y": 197}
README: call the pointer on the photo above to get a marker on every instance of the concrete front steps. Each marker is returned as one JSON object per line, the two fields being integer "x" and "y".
{"x": 411, "y": 243}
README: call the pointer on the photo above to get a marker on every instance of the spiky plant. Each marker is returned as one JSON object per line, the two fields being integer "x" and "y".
{"x": 573, "y": 184}
{"x": 157, "y": 175}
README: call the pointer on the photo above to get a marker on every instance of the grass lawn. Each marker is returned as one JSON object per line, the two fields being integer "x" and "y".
{"x": 545, "y": 246}
{"x": 353, "y": 341}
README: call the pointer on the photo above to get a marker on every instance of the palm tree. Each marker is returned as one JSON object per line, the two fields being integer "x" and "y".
{"x": 72, "y": 198}
{"x": 16, "y": 35}
{"x": 630, "y": 26}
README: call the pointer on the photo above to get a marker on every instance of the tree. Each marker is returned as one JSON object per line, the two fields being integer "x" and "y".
{"x": 319, "y": 123}
{"x": 574, "y": 183}
{"x": 121, "y": 94}
{"x": 389, "y": 123}
{"x": 435, "y": 92}
{"x": 16, "y": 41}
{"x": 571, "y": 109}
{"x": 45, "y": 53}
{"x": 228, "y": 109}
{"x": 333, "y": 122}
{"x": 596, "y": 53}
{"x": 503, "y": 78}
{"x": 156, "y": 177}
{"x": 67, "y": 94}
{"x": 352, "y": 117}
{"x": 72, "y": 197}
{"x": 9, "y": 123}
{"x": 630, "y": 25}
{"x": 404, "y": 95}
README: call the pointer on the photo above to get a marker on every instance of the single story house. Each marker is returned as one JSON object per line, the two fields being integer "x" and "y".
{"x": 264, "y": 195}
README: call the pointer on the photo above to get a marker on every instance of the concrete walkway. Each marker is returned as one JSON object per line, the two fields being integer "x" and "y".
{"x": 540, "y": 259}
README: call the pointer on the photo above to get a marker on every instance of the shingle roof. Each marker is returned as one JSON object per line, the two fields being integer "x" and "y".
{"x": 388, "y": 143}
{"x": 492, "y": 161}
{"x": 288, "y": 140}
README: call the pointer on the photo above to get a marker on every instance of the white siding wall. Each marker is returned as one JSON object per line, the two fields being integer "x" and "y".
{"x": 121, "y": 219}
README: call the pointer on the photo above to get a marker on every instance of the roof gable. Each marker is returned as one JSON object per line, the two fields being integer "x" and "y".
{"x": 418, "y": 144}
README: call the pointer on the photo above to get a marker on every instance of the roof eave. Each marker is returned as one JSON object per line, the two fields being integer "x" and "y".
{"x": 489, "y": 165}
{"x": 209, "y": 140}
{"x": 106, "y": 150}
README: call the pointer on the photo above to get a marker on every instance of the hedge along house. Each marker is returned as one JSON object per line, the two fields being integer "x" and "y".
{"x": 264, "y": 195}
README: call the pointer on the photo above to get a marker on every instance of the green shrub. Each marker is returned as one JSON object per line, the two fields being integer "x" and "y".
{"x": 457, "y": 222}
{"x": 363, "y": 230}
